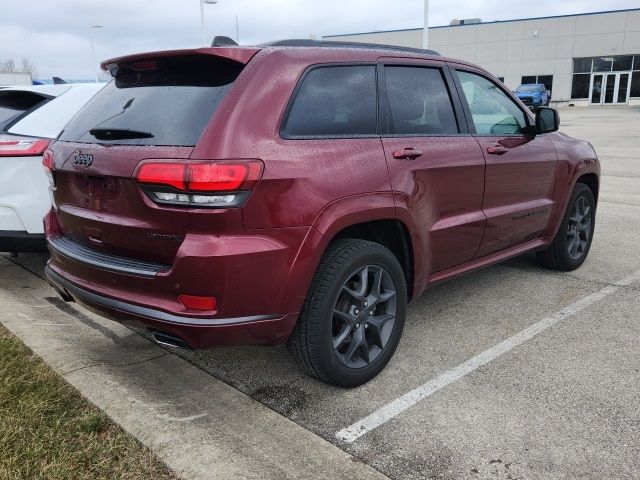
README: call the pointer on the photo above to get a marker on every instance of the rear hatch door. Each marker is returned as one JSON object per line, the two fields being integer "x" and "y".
{"x": 156, "y": 108}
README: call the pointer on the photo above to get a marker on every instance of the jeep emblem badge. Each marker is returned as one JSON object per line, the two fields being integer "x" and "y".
{"x": 83, "y": 159}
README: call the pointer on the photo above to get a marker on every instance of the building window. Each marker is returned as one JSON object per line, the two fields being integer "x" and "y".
{"x": 582, "y": 65}
{"x": 622, "y": 63}
{"x": 635, "y": 84}
{"x": 618, "y": 63}
{"x": 547, "y": 80}
{"x": 580, "y": 86}
{"x": 597, "y": 67}
{"x": 602, "y": 64}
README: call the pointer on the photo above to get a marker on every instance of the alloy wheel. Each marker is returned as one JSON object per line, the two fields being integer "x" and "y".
{"x": 364, "y": 316}
{"x": 579, "y": 228}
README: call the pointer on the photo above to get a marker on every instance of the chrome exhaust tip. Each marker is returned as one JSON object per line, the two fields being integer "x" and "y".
{"x": 168, "y": 340}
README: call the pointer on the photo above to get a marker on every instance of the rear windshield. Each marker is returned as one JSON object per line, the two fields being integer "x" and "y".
{"x": 15, "y": 104}
{"x": 159, "y": 102}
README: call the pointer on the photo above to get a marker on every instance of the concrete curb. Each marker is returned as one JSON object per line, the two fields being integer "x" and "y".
{"x": 200, "y": 427}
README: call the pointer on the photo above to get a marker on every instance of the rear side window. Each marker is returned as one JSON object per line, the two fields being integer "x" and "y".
{"x": 14, "y": 104}
{"x": 334, "y": 101}
{"x": 419, "y": 102}
{"x": 160, "y": 102}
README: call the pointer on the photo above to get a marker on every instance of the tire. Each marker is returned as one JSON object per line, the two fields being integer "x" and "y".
{"x": 577, "y": 226}
{"x": 328, "y": 341}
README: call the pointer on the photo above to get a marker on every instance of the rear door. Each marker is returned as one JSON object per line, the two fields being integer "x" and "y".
{"x": 436, "y": 167}
{"x": 521, "y": 166}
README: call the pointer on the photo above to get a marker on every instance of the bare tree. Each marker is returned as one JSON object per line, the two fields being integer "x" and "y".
{"x": 8, "y": 65}
{"x": 28, "y": 66}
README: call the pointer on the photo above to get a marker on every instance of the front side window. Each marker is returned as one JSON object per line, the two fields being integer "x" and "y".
{"x": 419, "y": 102}
{"x": 492, "y": 111}
{"x": 335, "y": 101}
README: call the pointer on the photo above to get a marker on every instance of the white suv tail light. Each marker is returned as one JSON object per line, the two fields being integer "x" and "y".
{"x": 20, "y": 146}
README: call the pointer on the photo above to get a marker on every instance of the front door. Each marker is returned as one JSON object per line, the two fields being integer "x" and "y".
{"x": 520, "y": 166}
{"x": 436, "y": 167}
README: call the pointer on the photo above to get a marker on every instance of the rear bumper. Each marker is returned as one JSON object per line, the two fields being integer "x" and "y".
{"x": 22, "y": 242}
{"x": 24, "y": 194}
{"x": 197, "y": 333}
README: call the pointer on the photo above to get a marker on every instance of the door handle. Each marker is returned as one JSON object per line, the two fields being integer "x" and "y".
{"x": 497, "y": 150}
{"x": 407, "y": 154}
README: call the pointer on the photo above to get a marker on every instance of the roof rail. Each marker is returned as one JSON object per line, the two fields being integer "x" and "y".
{"x": 328, "y": 43}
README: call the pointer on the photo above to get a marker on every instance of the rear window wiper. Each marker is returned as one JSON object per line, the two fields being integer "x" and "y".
{"x": 106, "y": 133}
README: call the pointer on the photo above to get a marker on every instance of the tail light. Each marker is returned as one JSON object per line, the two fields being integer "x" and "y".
{"x": 19, "y": 146}
{"x": 210, "y": 184}
{"x": 47, "y": 160}
{"x": 47, "y": 163}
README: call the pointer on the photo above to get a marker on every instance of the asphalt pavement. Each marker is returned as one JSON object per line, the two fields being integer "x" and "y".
{"x": 510, "y": 372}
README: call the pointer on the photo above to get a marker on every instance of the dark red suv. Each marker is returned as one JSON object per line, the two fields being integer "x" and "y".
{"x": 304, "y": 192}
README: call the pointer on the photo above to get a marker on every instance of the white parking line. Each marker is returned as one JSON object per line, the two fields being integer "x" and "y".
{"x": 399, "y": 405}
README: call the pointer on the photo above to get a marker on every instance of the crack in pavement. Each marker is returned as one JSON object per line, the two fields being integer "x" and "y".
{"x": 106, "y": 364}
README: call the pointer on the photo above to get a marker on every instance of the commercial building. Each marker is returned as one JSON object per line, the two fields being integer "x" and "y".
{"x": 583, "y": 59}
{"x": 15, "y": 78}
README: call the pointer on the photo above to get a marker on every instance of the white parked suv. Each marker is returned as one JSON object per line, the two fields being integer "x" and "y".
{"x": 30, "y": 117}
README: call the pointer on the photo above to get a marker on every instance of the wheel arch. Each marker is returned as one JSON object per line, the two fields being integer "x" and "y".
{"x": 592, "y": 181}
{"x": 370, "y": 217}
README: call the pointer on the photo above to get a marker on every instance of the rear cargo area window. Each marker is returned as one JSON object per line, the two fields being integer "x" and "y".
{"x": 14, "y": 104}
{"x": 164, "y": 102}
{"x": 334, "y": 101}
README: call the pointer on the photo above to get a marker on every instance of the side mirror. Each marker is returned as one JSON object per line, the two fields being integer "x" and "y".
{"x": 547, "y": 120}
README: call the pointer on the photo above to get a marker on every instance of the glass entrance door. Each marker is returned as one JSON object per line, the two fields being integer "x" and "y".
{"x": 623, "y": 87}
{"x": 609, "y": 88}
{"x": 596, "y": 88}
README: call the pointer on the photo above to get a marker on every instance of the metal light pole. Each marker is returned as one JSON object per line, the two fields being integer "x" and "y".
{"x": 425, "y": 30}
{"x": 93, "y": 51}
{"x": 202, "y": 2}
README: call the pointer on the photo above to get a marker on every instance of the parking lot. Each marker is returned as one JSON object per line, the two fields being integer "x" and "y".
{"x": 516, "y": 371}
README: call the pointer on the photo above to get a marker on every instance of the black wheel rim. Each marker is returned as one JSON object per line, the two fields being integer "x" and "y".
{"x": 579, "y": 228}
{"x": 364, "y": 316}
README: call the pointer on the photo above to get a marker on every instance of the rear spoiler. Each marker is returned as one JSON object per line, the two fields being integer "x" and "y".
{"x": 238, "y": 54}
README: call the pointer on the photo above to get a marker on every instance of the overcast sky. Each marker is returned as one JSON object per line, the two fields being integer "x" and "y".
{"x": 54, "y": 34}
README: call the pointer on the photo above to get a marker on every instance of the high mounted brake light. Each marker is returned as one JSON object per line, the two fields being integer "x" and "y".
{"x": 19, "y": 146}
{"x": 200, "y": 184}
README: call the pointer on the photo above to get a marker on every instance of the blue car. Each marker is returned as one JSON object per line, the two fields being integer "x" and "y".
{"x": 533, "y": 95}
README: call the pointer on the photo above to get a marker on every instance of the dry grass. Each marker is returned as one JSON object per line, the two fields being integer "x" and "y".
{"x": 47, "y": 430}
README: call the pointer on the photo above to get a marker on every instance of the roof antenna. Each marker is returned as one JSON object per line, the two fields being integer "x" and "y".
{"x": 223, "y": 42}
